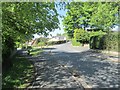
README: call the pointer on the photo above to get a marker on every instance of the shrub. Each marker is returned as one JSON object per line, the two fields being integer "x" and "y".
{"x": 81, "y": 36}
{"x": 19, "y": 75}
{"x": 23, "y": 47}
{"x": 112, "y": 41}
{"x": 29, "y": 47}
{"x": 75, "y": 43}
{"x": 105, "y": 42}
{"x": 96, "y": 33}
{"x": 41, "y": 44}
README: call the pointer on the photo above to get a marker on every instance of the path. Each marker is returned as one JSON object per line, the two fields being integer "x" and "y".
{"x": 65, "y": 66}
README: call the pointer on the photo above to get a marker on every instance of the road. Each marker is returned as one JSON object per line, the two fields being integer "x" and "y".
{"x": 65, "y": 66}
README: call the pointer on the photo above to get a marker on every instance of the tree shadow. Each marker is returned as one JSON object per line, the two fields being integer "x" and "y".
{"x": 48, "y": 48}
{"x": 35, "y": 50}
{"x": 19, "y": 74}
{"x": 58, "y": 67}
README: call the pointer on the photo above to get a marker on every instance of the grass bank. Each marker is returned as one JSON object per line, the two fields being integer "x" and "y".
{"x": 19, "y": 75}
{"x": 36, "y": 51}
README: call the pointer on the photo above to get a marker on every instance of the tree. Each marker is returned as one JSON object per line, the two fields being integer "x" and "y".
{"x": 20, "y": 20}
{"x": 78, "y": 16}
{"x": 104, "y": 15}
{"x": 99, "y": 15}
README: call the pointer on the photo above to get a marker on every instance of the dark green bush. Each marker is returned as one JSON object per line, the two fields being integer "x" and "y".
{"x": 7, "y": 50}
{"x": 29, "y": 47}
{"x": 23, "y": 47}
{"x": 105, "y": 42}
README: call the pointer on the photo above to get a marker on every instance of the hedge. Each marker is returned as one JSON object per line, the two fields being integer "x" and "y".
{"x": 105, "y": 42}
{"x": 81, "y": 36}
{"x": 75, "y": 43}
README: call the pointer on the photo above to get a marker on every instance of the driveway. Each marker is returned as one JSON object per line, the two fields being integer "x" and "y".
{"x": 65, "y": 66}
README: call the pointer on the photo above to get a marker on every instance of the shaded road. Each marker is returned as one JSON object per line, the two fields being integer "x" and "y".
{"x": 63, "y": 65}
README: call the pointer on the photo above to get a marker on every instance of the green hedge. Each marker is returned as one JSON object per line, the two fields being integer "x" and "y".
{"x": 81, "y": 36}
{"x": 75, "y": 43}
{"x": 105, "y": 42}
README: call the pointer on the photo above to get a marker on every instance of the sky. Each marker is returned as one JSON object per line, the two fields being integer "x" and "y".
{"x": 56, "y": 31}
{"x": 61, "y": 12}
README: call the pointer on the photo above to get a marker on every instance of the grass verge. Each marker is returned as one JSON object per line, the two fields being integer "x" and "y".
{"x": 75, "y": 43}
{"x": 20, "y": 75}
{"x": 36, "y": 51}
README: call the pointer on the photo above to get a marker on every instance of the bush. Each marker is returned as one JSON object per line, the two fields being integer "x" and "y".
{"x": 91, "y": 34}
{"x": 41, "y": 44}
{"x": 23, "y": 47}
{"x": 75, "y": 43}
{"x": 81, "y": 36}
{"x": 112, "y": 41}
{"x": 29, "y": 47}
{"x": 105, "y": 42}
{"x": 95, "y": 42}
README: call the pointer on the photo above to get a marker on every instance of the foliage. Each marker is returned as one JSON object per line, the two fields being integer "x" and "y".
{"x": 42, "y": 40}
{"x": 105, "y": 42}
{"x": 41, "y": 44}
{"x": 36, "y": 51}
{"x": 29, "y": 47}
{"x": 95, "y": 42}
{"x": 96, "y": 33}
{"x": 19, "y": 75}
{"x": 81, "y": 35}
{"x": 75, "y": 43}
{"x": 104, "y": 15}
{"x": 20, "y": 20}
{"x": 99, "y": 15}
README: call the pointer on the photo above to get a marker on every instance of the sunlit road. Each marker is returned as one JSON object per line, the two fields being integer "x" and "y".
{"x": 59, "y": 66}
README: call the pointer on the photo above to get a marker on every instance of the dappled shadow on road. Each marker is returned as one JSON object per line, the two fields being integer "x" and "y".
{"x": 48, "y": 48}
{"x": 35, "y": 50}
{"x": 94, "y": 66}
{"x": 58, "y": 68}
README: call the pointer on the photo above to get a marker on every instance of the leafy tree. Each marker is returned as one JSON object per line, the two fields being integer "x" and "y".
{"x": 99, "y": 15}
{"x": 78, "y": 16}
{"x": 104, "y": 15}
{"x": 20, "y": 20}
